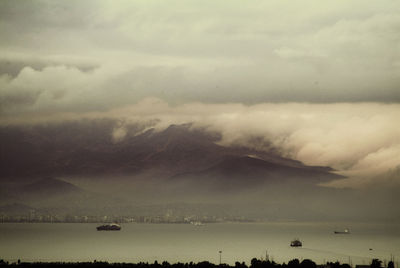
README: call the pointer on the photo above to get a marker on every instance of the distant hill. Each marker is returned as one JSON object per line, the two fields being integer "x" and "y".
{"x": 16, "y": 209}
{"x": 48, "y": 187}
{"x": 49, "y": 192}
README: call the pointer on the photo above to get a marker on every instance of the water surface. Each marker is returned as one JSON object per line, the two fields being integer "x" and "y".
{"x": 185, "y": 242}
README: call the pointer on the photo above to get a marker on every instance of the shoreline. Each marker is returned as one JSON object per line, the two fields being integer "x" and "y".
{"x": 254, "y": 263}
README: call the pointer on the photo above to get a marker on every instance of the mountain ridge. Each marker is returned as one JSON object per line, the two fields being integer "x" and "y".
{"x": 86, "y": 149}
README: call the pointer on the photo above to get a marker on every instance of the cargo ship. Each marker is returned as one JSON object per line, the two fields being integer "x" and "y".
{"x": 296, "y": 243}
{"x": 109, "y": 227}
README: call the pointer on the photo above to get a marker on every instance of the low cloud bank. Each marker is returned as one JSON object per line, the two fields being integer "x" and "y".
{"x": 358, "y": 140}
{"x": 100, "y": 55}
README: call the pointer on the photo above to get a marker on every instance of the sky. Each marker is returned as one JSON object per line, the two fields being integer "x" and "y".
{"x": 318, "y": 79}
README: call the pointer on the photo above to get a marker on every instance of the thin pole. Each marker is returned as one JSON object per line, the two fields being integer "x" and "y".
{"x": 220, "y": 253}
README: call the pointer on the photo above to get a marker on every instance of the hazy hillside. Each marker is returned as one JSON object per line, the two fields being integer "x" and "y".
{"x": 87, "y": 148}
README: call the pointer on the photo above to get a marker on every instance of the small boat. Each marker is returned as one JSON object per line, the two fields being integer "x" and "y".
{"x": 296, "y": 243}
{"x": 345, "y": 231}
{"x": 109, "y": 227}
{"x": 197, "y": 223}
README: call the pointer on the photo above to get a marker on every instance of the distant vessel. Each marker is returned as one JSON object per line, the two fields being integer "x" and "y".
{"x": 345, "y": 231}
{"x": 109, "y": 227}
{"x": 296, "y": 243}
{"x": 197, "y": 223}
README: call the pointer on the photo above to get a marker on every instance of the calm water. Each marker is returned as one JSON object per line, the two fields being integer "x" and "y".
{"x": 184, "y": 242}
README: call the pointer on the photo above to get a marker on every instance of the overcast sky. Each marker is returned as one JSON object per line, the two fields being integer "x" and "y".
{"x": 77, "y": 54}
{"x": 336, "y": 63}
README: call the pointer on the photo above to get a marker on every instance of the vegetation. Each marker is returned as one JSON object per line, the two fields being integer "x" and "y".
{"x": 255, "y": 263}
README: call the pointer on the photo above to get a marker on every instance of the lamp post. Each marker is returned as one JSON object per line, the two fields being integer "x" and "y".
{"x": 220, "y": 254}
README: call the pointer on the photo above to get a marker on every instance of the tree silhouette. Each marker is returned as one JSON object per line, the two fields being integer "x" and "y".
{"x": 294, "y": 263}
{"x": 376, "y": 263}
{"x": 307, "y": 263}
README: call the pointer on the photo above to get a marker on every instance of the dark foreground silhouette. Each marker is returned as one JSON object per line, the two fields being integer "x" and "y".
{"x": 255, "y": 263}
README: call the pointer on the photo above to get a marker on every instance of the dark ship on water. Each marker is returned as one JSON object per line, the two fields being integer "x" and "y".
{"x": 345, "y": 231}
{"x": 109, "y": 227}
{"x": 296, "y": 243}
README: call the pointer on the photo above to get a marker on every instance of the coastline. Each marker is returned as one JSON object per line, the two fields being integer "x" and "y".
{"x": 254, "y": 263}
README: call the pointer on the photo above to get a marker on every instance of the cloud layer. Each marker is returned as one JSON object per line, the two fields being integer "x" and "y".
{"x": 65, "y": 55}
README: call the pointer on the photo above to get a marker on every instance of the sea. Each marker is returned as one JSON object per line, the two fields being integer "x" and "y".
{"x": 214, "y": 242}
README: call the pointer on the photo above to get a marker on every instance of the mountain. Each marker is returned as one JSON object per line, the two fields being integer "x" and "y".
{"x": 77, "y": 168}
{"x": 48, "y": 187}
{"x": 15, "y": 209}
{"x": 86, "y": 148}
{"x": 46, "y": 192}
{"x": 50, "y": 195}
{"x": 177, "y": 164}
{"x": 245, "y": 171}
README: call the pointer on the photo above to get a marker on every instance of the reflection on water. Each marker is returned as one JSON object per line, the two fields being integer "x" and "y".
{"x": 187, "y": 242}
